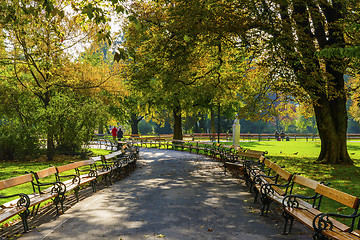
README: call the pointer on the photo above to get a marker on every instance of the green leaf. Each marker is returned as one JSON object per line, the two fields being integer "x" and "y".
{"x": 187, "y": 38}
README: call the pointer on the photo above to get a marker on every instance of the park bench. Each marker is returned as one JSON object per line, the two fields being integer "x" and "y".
{"x": 83, "y": 172}
{"x": 273, "y": 187}
{"x": 177, "y": 144}
{"x": 198, "y": 146}
{"x": 111, "y": 144}
{"x": 311, "y": 201}
{"x": 18, "y": 206}
{"x": 216, "y": 150}
{"x": 327, "y": 225}
{"x": 119, "y": 160}
{"x": 243, "y": 161}
{"x": 21, "y": 203}
{"x": 50, "y": 186}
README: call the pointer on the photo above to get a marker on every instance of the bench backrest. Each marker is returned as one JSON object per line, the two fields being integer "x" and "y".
{"x": 341, "y": 197}
{"x": 267, "y": 162}
{"x": 249, "y": 154}
{"x": 15, "y": 181}
{"x": 71, "y": 166}
{"x": 255, "y": 152}
{"x": 45, "y": 172}
{"x": 307, "y": 182}
{"x": 262, "y": 159}
{"x": 281, "y": 172}
{"x": 240, "y": 149}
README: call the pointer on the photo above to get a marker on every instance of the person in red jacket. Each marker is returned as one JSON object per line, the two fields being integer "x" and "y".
{"x": 114, "y": 133}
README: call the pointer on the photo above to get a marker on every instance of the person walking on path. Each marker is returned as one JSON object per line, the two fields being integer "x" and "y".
{"x": 120, "y": 134}
{"x": 114, "y": 133}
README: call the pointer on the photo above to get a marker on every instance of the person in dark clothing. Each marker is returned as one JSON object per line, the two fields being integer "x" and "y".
{"x": 120, "y": 134}
{"x": 276, "y": 135}
{"x": 282, "y": 135}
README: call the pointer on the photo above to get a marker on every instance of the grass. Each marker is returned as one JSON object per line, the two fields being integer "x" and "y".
{"x": 342, "y": 177}
{"x": 16, "y": 168}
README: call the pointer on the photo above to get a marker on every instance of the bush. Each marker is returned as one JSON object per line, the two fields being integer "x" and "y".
{"x": 17, "y": 142}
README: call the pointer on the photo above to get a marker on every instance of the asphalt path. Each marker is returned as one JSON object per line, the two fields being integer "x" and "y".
{"x": 171, "y": 195}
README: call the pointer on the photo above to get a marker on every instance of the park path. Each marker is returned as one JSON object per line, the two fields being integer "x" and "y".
{"x": 171, "y": 195}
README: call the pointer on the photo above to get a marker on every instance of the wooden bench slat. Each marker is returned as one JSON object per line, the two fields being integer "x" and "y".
{"x": 282, "y": 172}
{"x": 70, "y": 166}
{"x": 7, "y": 213}
{"x": 340, "y": 235}
{"x": 341, "y": 197}
{"x": 307, "y": 182}
{"x": 12, "y": 182}
{"x": 45, "y": 172}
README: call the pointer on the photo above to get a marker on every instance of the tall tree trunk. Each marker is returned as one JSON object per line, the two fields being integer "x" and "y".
{"x": 323, "y": 79}
{"x": 50, "y": 144}
{"x": 134, "y": 122}
{"x": 101, "y": 128}
{"x": 212, "y": 121}
{"x": 331, "y": 118}
{"x": 177, "y": 124}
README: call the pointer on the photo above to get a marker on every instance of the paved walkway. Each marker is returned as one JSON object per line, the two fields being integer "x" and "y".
{"x": 171, "y": 195}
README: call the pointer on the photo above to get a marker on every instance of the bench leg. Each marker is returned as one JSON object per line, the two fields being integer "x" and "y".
{"x": 59, "y": 199}
{"x": 76, "y": 191}
{"x": 24, "y": 215}
{"x": 35, "y": 210}
{"x": 93, "y": 185}
{"x": 265, "y": 204}
{"x": 287, "y": 218}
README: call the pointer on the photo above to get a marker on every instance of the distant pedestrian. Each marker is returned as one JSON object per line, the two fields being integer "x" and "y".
{"x": 114, "y": 133}
{"x": 282, "y": 135}
{"x": 276, "y": 135}
{"x": 120, "y": 134}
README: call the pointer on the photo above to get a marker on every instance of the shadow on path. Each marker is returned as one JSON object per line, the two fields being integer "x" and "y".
{"x": 171, "y": 195}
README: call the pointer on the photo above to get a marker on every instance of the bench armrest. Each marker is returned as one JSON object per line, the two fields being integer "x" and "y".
{"x": 291, "y": 200}
{"x": 24, "y": 200}
{"x": 267, "y": 188}
{"x": 58, "y": 187}
{"x": 257, "y": 178}
{"x": 323, "y": 221}
{"x": 75, "y": 178}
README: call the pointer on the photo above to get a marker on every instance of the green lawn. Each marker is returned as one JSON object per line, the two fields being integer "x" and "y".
{"x": 342, "y": 177}
{"x": 295, "y": 156}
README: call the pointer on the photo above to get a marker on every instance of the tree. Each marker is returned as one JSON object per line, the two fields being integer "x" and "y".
{"x": 38, "y": 43}
{"x": 294, "y": 37}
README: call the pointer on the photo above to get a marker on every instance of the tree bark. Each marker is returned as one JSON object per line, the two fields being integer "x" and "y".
{"x": 134, "y": 122}
{"x": 212, "y": 121}
{"x": 331, "y": 118}
{"x": 177, "y": 124}
{"x": 321, "y": 78}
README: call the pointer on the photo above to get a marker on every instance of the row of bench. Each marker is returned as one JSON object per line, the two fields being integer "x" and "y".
{"x": 54, "y": 182}
{"x": 274, "y": 184}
